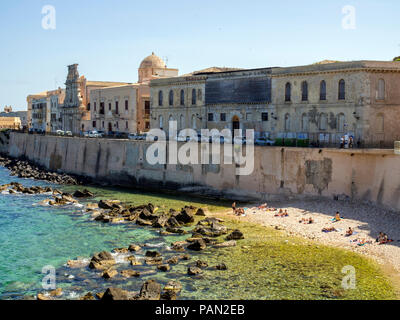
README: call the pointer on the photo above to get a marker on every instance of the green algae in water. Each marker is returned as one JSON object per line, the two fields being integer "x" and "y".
{"x": 270, "y": 265}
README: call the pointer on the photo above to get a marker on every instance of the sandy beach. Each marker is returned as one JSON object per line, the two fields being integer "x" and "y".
{"x": 366, "y": 220}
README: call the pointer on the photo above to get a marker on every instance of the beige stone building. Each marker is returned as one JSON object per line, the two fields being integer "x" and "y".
{"x": 10, "y": 123}
{"x": 309, "y": 104}
{"x": 41, "y": 106}
{"x": 126, "y": 108}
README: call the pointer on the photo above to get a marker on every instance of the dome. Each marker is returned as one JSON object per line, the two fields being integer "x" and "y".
{"x": 152, "y": 61}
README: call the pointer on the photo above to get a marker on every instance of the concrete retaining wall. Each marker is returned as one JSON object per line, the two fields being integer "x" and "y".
{"x": 370, "y": 175}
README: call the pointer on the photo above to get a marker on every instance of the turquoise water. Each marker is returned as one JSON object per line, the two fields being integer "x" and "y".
{"x": 33, "y": 236}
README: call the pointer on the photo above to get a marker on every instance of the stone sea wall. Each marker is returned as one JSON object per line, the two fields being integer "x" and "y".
{"x": 369, "y": 175}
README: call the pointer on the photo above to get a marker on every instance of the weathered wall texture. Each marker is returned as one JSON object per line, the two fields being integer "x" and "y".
{"x": 371, "y": 175}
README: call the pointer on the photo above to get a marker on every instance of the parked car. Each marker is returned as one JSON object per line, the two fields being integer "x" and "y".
{"x": 239, "y": 140}
{"x": 264, "y": 142}
{"x": 69, "y": 133}
{"x": 101, "y": 133}
{"x": 86, "y": 134}
{"x": 94, "y": 134}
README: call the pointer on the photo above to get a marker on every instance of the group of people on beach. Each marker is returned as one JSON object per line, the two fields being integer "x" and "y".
{"x": 382, "y": 238}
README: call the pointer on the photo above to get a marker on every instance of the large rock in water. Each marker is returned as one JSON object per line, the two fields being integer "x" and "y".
{"x": 197, "y": 245}
{"x": 161, "y": 221}
{"x": 83, "y": 194}
{"x": 102, "y": 260}
{"x": 235, "y": 235}
{"x": 185, "y": 216}
{"x": 107, "y": 204}
{"x": 115, "y": 294}
{"x": 151, "y": 290}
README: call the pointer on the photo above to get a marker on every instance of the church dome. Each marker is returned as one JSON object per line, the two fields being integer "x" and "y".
{"x": 152, "y": 61}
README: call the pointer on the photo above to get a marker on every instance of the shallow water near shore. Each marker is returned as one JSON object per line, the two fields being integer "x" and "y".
{"x": 266, "y": 265}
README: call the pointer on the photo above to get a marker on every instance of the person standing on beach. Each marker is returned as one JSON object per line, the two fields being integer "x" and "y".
{"x": 234, "y": 207}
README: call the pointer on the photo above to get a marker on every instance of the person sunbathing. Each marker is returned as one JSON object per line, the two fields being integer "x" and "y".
{"x": 329, "y": 229}
{"x": 337, "y": 216}
{"x": 383, "y": 238}
{"x": 349, "y": 232}
{"x": 282, "y": 214}
{"x": 307, "y": 220}
{"x": 263, "y": 206}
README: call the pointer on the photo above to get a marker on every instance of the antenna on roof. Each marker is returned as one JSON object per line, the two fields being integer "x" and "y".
{"x": 166, "y": 61}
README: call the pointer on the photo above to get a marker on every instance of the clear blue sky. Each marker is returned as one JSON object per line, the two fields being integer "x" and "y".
{"x": 110, "y": 38}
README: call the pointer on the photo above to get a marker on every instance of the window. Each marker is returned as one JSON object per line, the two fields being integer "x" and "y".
{"x": 342, "y": 90}
{"x": 223, "y": 117}
{"x": 304, "y": 91}
{"x": 341, "y": 122}
{"x": 322, "y": 90}
{"x": 94, "y": 124}
{"x": 304, "y": 122}
{"x": 147, "y": 108}
{"x": 161, "y": 121}
{"x": 288, "y": 92}
{"x": 287, "y": 122}
{"x": 248, "y": 116}
{"x": 102, "y": 124}
{"x": 126, "y": 125}
{"x": 380, "y": 124}
{"x": 160, "y": 98}
{"x": 95, "y": 106}
{"x": 171, "y": 98}
{"x": 323, "y": 121}
{"x": 182, "y": 122}
{"x": 182, "y": 97}
{"x": 116, "y": 107}
{"x": 210, "y": 117}
{"x": 194, "y": 122}
{"x": 117, "y": 125}
{"x": 264, "y": 116}
{"x": 194, "y": 98}
{"x": 126, "y": 105}
{"x": 88, "y": 107}
{"x": 199, "y": 94}
{"x": 109, "y": 106}
{"x": 381, "y": 89}
{"x": 101, "y": 107}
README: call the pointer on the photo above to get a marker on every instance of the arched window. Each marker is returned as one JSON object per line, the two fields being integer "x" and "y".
{"x": 381, "y": 89}
{"x": 322, "y": 90}
{"x": 341, "y": 123}
{"x": 342, "y": 90}
{"x": 200, "y": 94}
{"x": 304, "y": 122}
{"x": 182, "y": 97}
{"x": 171, "y": 98}
{"x": 182, "y": 122}
{"x": 287, "y": 122}
{"x": 380, "y": 123}
{"x": 288, "y": 92}
{"x": 323, "y": 121}
{"x": 304, "y": 91}
{"x": 160, "y": 98}
{"x": 194, "y": 124}
{"x": 161, "y": 122}
{"x": 194, "y": 97}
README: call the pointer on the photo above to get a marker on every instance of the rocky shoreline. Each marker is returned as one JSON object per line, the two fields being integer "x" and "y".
{"x": 203, "y": 232}
{"x": 25, "y": 169}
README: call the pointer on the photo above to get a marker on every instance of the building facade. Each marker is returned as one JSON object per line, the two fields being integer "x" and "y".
{"x": 317, "y": 103}
{"x": 13, "y": 123}
{"x": 126, "y": 108}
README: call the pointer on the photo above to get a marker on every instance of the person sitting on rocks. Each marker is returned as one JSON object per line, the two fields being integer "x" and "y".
{"x": 349, "y": 232}
{"x": 337, "y": 217}
{"x": 383, "y": 238}
{"x": 307, "y": 220}
{"x": 239, "y": 211}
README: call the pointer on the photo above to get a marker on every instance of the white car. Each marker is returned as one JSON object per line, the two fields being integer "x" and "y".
{"x": 94, "y": 134}
{"x": 60, "y": 133}
{"x": 68, "y": 133}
